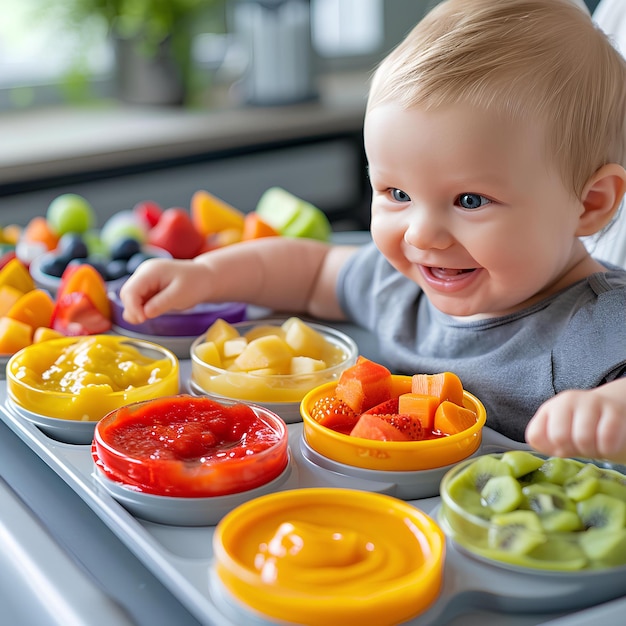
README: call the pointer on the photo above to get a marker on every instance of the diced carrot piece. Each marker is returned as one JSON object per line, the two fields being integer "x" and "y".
{"x": 446, "y": 386}
{"x": 364, "y": 384}
{"x": 33, "y": 308}
{"x": 450, "y": 418}
{"x": 255, "y": 227}
{"x": 422, "y": 406}
{"x": 14, "y": 335}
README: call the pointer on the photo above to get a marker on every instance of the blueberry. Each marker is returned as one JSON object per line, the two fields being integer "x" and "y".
{"x": 54, "y": 266}
{"x": 72, "y": 246}
{"x": 125, "y": 248}
{"x": 136, "y": 260}
{"x": 116, "y": 269}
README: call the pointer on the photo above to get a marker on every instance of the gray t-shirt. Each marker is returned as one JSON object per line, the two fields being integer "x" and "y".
{"x": 573, "y": 339}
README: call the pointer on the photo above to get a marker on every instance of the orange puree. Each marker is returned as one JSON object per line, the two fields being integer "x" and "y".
{"x": 321, "y": 556}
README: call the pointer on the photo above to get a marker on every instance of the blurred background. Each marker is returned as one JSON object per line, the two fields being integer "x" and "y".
{"x": 130, "y": 100}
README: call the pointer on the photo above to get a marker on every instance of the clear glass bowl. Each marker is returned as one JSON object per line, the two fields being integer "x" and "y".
{"x": 281, "y": 393}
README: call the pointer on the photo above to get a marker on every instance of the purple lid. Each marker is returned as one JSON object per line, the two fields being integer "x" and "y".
{"x": 189, "y": 323}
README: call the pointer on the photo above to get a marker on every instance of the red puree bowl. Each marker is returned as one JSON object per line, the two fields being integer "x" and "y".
{"x": 189, "y": 447}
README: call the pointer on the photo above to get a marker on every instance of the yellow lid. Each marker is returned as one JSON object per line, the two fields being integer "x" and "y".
{"x": 330, "y": 556}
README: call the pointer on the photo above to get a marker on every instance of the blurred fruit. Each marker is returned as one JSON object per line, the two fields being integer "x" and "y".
{"x": 176, "y": 233}
{"x": 291, "y": 216}
{"x": 148, "y": 212}
{"x": 254, "y": 227}
{"x": 210, "y": 214}
{"x": 39, "y": 230}
{"x": 123, "y": 225}
{"x": 70, "y": 212}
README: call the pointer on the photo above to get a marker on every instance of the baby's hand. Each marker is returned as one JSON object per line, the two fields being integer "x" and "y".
{"x": 161, "y": 285}
{"x": 589, "y": 423}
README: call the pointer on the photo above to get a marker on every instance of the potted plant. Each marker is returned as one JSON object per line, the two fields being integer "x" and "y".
{"x": 152, "y": 42}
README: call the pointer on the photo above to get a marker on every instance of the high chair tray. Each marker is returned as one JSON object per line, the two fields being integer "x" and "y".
{"x": 473, "y": 592}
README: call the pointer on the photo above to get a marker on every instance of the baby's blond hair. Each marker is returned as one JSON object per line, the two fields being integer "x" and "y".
{"x": 537, "y": 61}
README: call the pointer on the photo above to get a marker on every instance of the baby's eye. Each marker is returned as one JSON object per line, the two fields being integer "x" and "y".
{"x": 400, "y": 196}
{"x": 472, "y": 200}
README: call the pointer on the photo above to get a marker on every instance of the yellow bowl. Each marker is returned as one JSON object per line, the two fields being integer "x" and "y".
{"x": 330, "y": 556}
{"x": 391, "y": 455}
{"x": 99, "y": 373}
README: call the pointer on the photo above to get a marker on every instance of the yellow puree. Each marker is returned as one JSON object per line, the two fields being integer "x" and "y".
{"x": 85, "y": 379}
{"x": 99, "y": 360}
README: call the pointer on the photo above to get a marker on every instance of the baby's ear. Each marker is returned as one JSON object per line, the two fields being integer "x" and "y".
{"x": 601, "y": 198}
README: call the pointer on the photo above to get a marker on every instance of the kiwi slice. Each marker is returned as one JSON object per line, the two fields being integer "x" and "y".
{"x": 559, "y": 554}
{"x": 501, "y": 494}
{"x": 545, "y": 498}
{"x": 517, "y": 532}
{"x": 562, "y": 521}
{"x": 604, "y": 548}
{"x": 476, "y": 474}
{"x": 602, "y": 511}
{"x": 612, "y": 488}
{"x": 522, "y": 462}
{"x": 583, "y": 484}
{"x": 557, "y": 470}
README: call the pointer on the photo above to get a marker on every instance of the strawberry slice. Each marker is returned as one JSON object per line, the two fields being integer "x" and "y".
{"x": 334, "y": 413}
{"x": 75, "y": 314}
{"x": 377, "y": 427}
{"x": 408, "y": 425}
{"x": 388, "y": 407}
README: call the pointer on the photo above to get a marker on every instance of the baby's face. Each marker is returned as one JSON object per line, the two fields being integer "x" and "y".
{"x": 469, "y": 207}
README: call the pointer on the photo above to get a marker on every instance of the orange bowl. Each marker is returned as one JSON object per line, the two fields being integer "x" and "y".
{"x": 391, "y": 455}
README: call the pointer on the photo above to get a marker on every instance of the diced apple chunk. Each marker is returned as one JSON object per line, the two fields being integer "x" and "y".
{"x": 264, "y": 329}
{"x": 267, "y": 351}
{"x": 306, "y": 365}
{"x": 303, "y": 339}
{"x": 209, "y": 353}
{"x": 221, "y": 331}
{"x": 234, "y": 347}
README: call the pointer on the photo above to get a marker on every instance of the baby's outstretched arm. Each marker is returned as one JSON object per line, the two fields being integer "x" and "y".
{"x": 583, "y": 423}
{"x": 295, "y": 275}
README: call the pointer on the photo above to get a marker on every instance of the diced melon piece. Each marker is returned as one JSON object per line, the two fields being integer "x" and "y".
{"x": 306, "y": 365}
{"x": 16, "y": 274}
{"x": 9, "y": 295}
{"x": 34, "y": 308}
{"x": 445, "y": 385}
{"x": 220, "y": 331}
{"x": 269, "y": 351}
{"x": 303, "y": 339}
{"x": 420, "y": 405}
{"x": 364, "y": 385}
{"x": 43, "y": 333}
{"x": 209, "y": 353}
{"x": 234, "y": 347}
{"x": 14, "y": 335}
{"x": 255, "y": 227}
{"x": 450, "y": 418}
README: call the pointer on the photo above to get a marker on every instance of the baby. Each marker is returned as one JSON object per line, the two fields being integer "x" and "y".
{"x": 495, "y": 139}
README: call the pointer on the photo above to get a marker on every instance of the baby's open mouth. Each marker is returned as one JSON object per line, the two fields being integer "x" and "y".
{"x": 447, "y": 272}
